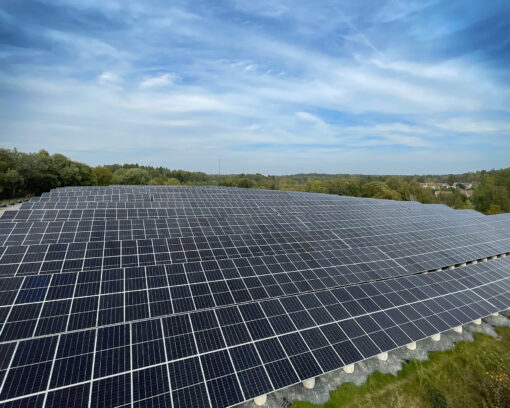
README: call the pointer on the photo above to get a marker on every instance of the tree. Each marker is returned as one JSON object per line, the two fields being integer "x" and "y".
{"x": 399, "y": 185}
{"x": 378, "y": 189}
{"x": 104, "y": 177}
{"x": 244, "y": 183}
{"x": 488, "y": 193}
{"x": 494, "y": 209}
{"x": 317, "y": 186}
{"x": 76, "y": 174}
{"x": 455, "y": 200}
{"x": 342, "y": 186}
{"x": 418, "y": 193}
{"x": 11, "y": 180}
{"x": 70, "y": 176}
{"x": 39, "y": 172}
{"x": 227, "y": 181}
{"x": 8, "y": 159}
{"x": 171, "y": 182}
{"x": 131, "y": 176}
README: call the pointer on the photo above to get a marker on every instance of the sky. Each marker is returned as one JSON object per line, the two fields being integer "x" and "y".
{"x": 267, "y": 86}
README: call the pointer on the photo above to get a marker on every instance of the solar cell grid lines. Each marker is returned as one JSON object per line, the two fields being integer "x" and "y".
{"x": 210, "y": 296}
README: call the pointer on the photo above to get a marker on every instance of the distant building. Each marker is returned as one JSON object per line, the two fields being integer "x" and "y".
{"x": 467, "y": 184}
{"x": 467, "y": 193}
{"x": 434, "y": 186}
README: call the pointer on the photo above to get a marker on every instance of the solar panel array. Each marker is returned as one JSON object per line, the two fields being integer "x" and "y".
{"x": 209, "y": 296}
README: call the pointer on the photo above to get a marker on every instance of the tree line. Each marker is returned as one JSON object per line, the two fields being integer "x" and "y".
{"x": 30, "y": 174}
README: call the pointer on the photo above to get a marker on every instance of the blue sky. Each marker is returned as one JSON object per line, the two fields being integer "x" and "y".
{"x": 275, "y": 87}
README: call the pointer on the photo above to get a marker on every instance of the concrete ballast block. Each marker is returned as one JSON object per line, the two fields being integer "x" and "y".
{"x": 411, "y": 346}
{"x": 349, "y": 369}
{"x": 310, "y": 383}
{"x": 260, "y": 400}
{"x": 457, "y": 329}
{"x": 383, "y": 356}
{"x": 477, "y": 321}
{"x": 436, "y": 337}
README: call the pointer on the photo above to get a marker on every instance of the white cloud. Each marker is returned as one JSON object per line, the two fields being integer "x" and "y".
{"x": 110, "y": 79}
{"x": 470, "y": 125}
{"x": 254, "y": 126}
{"x": 308, "y": 117}
{"x": 176, "y": 102}
{"x": 159, "y": 81}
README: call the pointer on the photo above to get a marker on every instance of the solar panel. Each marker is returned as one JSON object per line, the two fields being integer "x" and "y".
{"x": 210, "y": 296}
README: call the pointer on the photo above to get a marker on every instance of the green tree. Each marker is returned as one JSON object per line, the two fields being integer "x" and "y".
{"x": 418, "y": 193}
{"x": 488, "y": 193}
{"x": 317, "y": 186}
{"x": 70, "y": 176}
{"x": 131, "y": 176}
{"x": 378, "y": 189}
{"x": 342, "y": 186}
{"x": 227, "y": 181}
{"x": 455, "y": 200}
{"x": 76, "y": 174}
{"x": 39, "y": 172}
{"x": 156, "y": 181}
{"x": 8, "y": 159}
{"x": 399, "y": 185}
{"x": 244, "y": 183}
{"x": 104, "y": 177}
{"x": 172, "y": 181}
{"x": 11, "y": 180}
{"x": 494, "y": 209}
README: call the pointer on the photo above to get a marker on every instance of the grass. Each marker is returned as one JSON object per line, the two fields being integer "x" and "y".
{"x": 475, "y": 374}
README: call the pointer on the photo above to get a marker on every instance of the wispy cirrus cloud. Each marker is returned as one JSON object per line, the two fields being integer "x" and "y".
{"x": 267, "y": 87}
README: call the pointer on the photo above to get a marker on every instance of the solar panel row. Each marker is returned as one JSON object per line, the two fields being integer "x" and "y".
{"x": 213, "y": 316}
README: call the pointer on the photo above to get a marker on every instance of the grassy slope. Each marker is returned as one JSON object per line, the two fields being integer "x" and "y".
{"x": 473, "y": 374}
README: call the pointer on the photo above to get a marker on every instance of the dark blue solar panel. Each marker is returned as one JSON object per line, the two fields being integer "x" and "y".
{"x": 208, "y": 296}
